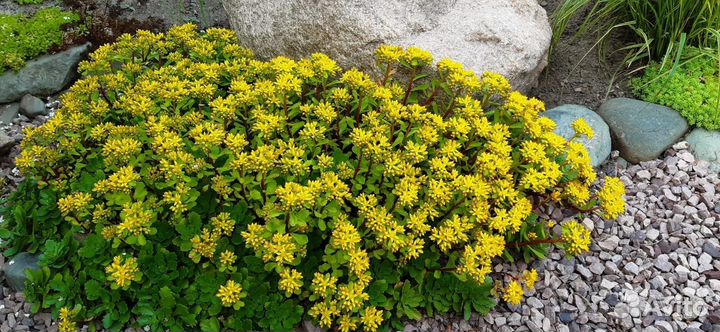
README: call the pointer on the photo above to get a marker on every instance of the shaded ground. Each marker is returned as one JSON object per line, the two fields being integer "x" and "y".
{"x": 107, "y": 19}
{"x": 567, "y": 80}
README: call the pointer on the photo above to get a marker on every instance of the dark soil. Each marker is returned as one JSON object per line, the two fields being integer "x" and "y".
{"x": 577, "y": 74}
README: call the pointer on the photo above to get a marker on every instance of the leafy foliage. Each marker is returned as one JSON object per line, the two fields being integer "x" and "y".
{"x": 192, "y": 186}
{"x": 692, "y": 88}
{"x": 662, "y": 28}
{"x": 23, "y": 38}
{"x": 29, "y": 2}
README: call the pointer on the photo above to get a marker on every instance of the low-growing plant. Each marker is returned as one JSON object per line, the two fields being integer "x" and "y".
{"x": 692, "y": 88}
{"x": 23, "y": 38}
{"x": 199, "y": 187}
{"x": 29, "y": 2}
{"x": 662, "y": 28}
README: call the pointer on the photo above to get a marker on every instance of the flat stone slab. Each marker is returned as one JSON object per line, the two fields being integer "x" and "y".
{"x": 705, "y": 145}
{"x": 43, "y": 76}
{"x": 642, "y": 131}
{"x": 600, "y": 146}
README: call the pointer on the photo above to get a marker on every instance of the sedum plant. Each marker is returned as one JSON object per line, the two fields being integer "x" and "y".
{"x": 188, "y": 185}
{"x": 24, "y": 38}
{"x": 693, "y": 89}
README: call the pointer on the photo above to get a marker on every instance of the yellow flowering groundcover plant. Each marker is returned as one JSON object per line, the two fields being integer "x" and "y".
{"x": 185, "y": 184}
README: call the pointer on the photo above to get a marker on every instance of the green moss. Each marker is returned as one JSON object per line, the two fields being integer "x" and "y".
{"x": 23, "y": 38}
{"x": 693, "y": 89}
{"x": 29, "y": 2}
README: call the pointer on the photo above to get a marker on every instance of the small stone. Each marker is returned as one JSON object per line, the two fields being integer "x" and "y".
{"x": 663, "y": 264}
{"x": 6, "y": 142}
{"x": 687, "y": 291}
{"x": 15, "y": 269}
{"x": 642, "y": 131}
{"x": 566, "y": 317}
{"x": 32, "y": 106}
{"x": 535, "y": 302}
{"x": 648, "y": 320}
{"x": 632, "y": 268}
{"x": 612, "y": 299}
{"x": 607, "y": 284}
{"x": 610, "y": 243}
{"x": 711, "y": 249}
{"x": 597, "y": 268}
{"x": 664, "y": 326}
{"x": 8, "y": 113}
{"x": 652, "y": 234}
{"x": 643, "y": 175}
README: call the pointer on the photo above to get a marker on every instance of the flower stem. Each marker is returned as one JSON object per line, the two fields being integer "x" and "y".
{"x": 411, "y": 83}
{"x": 536, "y": 242}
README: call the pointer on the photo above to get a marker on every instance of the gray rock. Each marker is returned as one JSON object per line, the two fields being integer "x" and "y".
{"x": 8, "y": 113}
{"x": 612, "y": 299}
{"x": 566, "y": 317}
{"x": 664, "y": 326}
{"x": 6, "y": 143}
{"x": 706, "y": 146}
{"x": 610, "y": 243}
{"x": 510, "y": 37}
{"x": 43, "y": 76}
{"x": 642, "y": 131}
{"x": 32, "y": 106}
{"x": 711, "y": 249}
{"x": 600, "y": 146}
{"x": 15, "y": 269}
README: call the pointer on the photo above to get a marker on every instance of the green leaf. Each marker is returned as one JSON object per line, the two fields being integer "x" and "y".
{"x": 93, "y": 290}
{"x": 167, "y": 297}
{"x": 210, "y": 325}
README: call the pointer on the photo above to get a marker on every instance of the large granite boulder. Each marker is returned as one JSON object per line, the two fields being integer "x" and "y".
{"x": 600, "y": 146}
{"x": 43, "y": 76}
{"x": 510, "y": 37}
{"x": 706, "y": 146}
{"x": 642, "y": 131}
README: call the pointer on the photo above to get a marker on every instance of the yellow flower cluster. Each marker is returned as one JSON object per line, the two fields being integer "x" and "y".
{"x": 123, "y": 271}
{"x": 514, "y": 292}
{"x": 120, "y": 181}
{"x": 66, "y": 320}
{"x": 386, "y": 169}
{"x": 611, "y": 198}
{"x": 581, "y": 127}
{"x": 230, "y": 294}
{"x": 576, "y": 237}
{"x": 74, "y": 203}
{"x": 136, "y": 220}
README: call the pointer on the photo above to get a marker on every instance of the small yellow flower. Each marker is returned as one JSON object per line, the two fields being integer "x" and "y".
{"x": 531, "y": 278}
{"x": 290, "y": 281}
{"x": 417, "y": 57}
{"x": 123, "y": 271}
{"x": 612, "y": 198}
{"x": 371, "y": 319}
{"x": 230, "y": 294}
{"x": 514, "y": 293}
{"x": 227, "y": 258}
{"x": 323, "y": 284}
{"x": 576, "y": 237}
{"x": 74, "y": 203}
{"x": 581, "y": 127}
{"x": 66, "y": 320}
